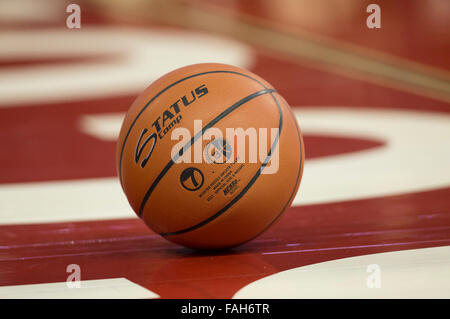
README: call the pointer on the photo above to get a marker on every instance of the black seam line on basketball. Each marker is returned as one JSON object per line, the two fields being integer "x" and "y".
{"x": 194, "y": 138}
{"x": 245, "y": 189}
{"x": 293, "y": 191}
{"x": 161, "y": 92}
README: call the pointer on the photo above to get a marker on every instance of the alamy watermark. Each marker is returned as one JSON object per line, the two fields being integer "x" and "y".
{"x": 374, "y": 279}
{"x": 227, "y": 147}
{"x": 74, "y": 279}
{"x": 73, "y": 20}
{"x": 373, "y": 21}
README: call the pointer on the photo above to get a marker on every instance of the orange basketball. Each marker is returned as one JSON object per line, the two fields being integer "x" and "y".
{"x": 209, "y": 156}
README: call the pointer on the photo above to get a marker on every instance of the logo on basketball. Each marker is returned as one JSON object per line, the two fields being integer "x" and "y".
{"x": 192, "y": 179}
{"x": 166, "y": 120}
{"x": 218, "y": 151}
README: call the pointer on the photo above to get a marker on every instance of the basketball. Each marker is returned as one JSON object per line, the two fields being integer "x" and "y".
{"x": 210, "y": 156}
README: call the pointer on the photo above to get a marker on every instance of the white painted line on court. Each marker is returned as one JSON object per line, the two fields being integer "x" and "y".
{"x": 115, "y": 288}
{"x": 139, "y": 58}
{"x": 416, "y": 273}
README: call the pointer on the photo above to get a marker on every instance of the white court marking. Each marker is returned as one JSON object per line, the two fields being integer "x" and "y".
{"x": 61, "y": 201}
{"x": 29, "y": 11}
{"x": 417, "y": 273}
{"x": 142, "y": 57}
{"x": 114, "y": 288}
{"x": 416, "y": 158}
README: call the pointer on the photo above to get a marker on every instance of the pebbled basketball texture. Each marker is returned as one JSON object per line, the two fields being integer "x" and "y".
{"x": 209, "y": 204}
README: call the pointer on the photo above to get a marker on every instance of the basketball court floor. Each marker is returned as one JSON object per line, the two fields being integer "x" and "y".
{"x": 372, "y": 215}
